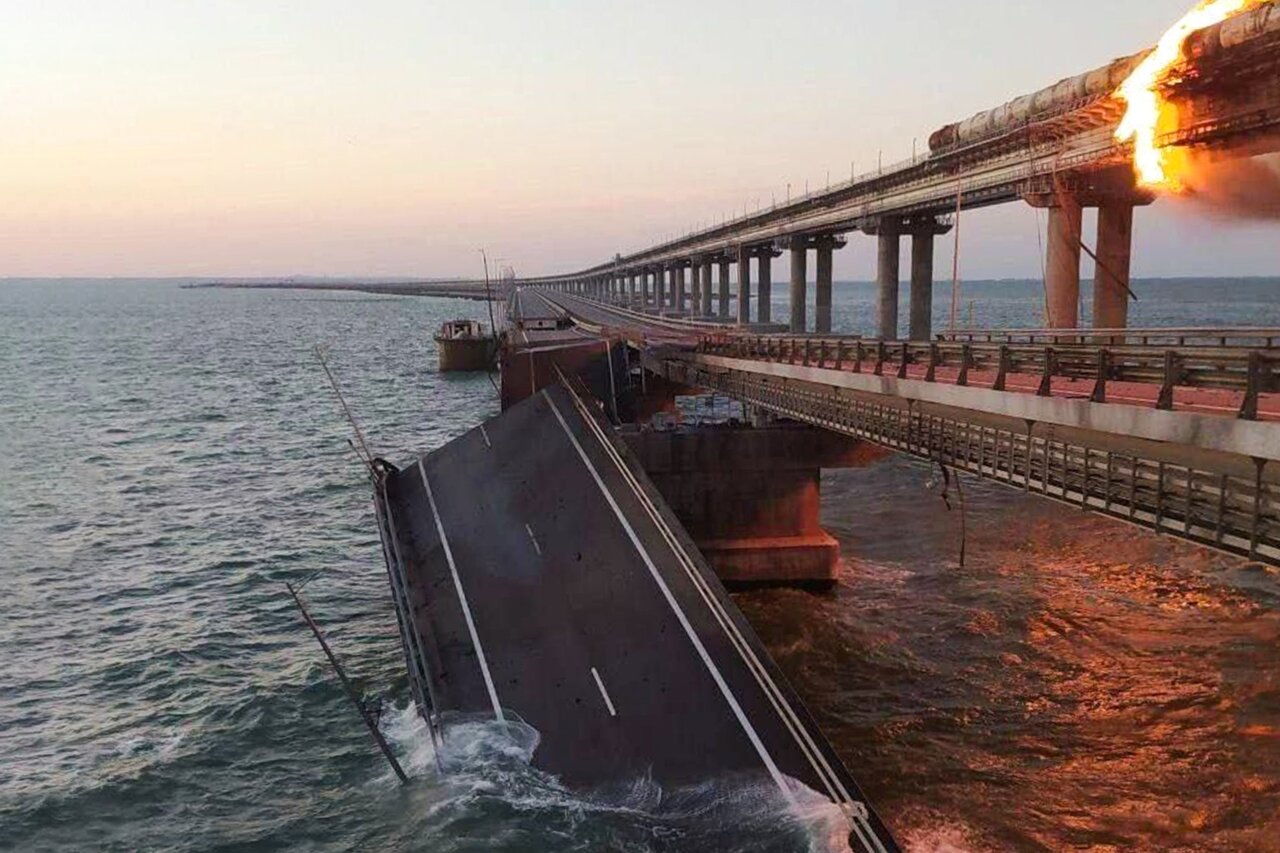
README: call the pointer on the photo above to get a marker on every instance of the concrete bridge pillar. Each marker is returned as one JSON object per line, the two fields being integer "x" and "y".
{"x": 922, "y": 238}
{"x": 887, "y": 270}
{"x": 631, "y": 288}
{"x": 723, "y": 306}
{"x": 1111, "y": 280}
{"x": 705, "y": 307}
{"x": 764, "y": 293}
{"x": 825, "y": 245}
{"x": 681, "y": 302}
{"x": 695, "y": 290}
{"x": 744, "y": 286}
{"x": 1062, "y": 266}
{"x": 799, "y": 282}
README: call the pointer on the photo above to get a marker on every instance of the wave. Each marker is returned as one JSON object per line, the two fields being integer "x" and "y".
{"x": 485, "y": 765}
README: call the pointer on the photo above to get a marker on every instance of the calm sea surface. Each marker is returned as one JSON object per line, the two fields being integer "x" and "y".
{"x": 170, "y": 457}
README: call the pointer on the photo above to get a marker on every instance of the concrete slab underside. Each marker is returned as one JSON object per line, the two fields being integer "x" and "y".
{"x": 751, "y": 496}
{"x": 572, "y": 567}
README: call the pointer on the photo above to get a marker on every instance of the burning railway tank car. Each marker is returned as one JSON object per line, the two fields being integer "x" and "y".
{"x": 1260, "y": 26}
{"x": 1233, "y": 32}
{"x": 1065, "y": 96}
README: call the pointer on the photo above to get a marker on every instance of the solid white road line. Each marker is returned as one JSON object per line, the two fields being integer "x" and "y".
{"x": 716, "y": 675}
{"x": 533, "y": 539}
{"x": 835, "y": 786}
{"x": 608, "y": 703}
{"x": 485, "y": 436}
{"x": 462, "y": 599}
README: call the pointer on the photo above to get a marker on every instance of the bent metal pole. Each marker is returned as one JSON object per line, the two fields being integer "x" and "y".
{"x": 350, "y": 690}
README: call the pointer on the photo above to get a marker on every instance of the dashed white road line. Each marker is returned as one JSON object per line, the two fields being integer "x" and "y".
{"x": 608, "y": 703}
{"x": 533, "y": 539}
{"x": 734, "y": 705}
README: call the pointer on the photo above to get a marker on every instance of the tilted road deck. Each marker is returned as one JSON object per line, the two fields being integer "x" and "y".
{"x": 546, "y": 579}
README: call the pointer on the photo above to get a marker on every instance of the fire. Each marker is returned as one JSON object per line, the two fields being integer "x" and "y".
{"x": 1146, "y": 111}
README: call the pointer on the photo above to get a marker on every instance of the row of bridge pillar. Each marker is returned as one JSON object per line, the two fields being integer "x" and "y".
{"x": 687, "y": 287}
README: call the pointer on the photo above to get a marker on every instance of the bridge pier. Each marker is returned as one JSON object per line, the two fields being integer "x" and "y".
{"x": 764, "y": 293}
{"x": 920, "y": 321}
{"x": 744, "y": 286}
{"x": 750, "y": 496}
{"x": 704, "y": 308}
{"x": 826, "y": 246}
{"x": 888, "y": 249}
{"x": 680, "y": 295}
{"x": 799, "y": 282}
{"x": 695, "y": 294}
{"x": 722, "y": 309}
{"x": 1062, "y": 265}
{"x": 1111, "y": 279}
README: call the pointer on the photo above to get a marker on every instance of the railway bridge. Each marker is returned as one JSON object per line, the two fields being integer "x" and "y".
{"x": 1055, "y": 149}
{"x": 560, "y": 566}
{"x": 1175, "y": 430}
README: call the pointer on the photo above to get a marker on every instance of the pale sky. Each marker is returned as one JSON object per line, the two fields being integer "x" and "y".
{"x": 394, "y": 137}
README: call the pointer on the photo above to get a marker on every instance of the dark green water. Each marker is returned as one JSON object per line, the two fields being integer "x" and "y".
{"x": 169, "y": 458}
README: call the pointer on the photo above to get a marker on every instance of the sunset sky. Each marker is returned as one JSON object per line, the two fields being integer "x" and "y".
{"x": 262, "y": 138}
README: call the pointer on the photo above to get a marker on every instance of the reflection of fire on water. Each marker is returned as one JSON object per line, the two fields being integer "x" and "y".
{"x": 1147, "y": 113}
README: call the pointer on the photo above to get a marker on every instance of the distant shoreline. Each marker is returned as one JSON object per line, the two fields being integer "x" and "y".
{"x": 455, "y": 289}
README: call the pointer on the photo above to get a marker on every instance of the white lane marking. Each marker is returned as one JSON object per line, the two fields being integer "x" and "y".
{"x": 462, "y": 599}
{"x": 716, "y": 675}
{"x": 608, "y": 703}
{"x": 533, "y": 539}
{"x": 856, "y": 808}
{"x": 485, "y": 436}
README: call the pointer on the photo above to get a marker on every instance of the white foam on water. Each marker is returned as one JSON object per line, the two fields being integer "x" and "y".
{"x": 483, "y": 758}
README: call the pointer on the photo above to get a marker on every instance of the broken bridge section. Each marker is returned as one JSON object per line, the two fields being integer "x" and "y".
{"x": 539, "y": 575}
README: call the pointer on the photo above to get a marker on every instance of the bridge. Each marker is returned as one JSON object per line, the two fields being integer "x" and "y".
{"x": 564, "y": 564}
{"x": 1055, "y": 149}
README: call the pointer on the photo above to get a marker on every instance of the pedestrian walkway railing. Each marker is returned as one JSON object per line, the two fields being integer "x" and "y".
{"x": 1247, "y": 373}
{"x": 1227, "y": 502}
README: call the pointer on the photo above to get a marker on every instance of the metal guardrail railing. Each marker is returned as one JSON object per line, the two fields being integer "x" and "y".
{"x": 1224, "y": 509}
{"x": 1179, "y": 336}
{"x": 1248, "y": 372}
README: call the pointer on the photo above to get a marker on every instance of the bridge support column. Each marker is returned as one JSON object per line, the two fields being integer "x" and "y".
{"x": 822, "y": 283}
{"x": 744, "y": 286}
{"x": 680, "y": 301}
{"x": 799, "y": 282}
{"x": 1062, "y": 271}
{"x": 1111, "y": 280}
{"x": 887, "y": 270}
{"x": 723, "y": 306}
{"x": 695, "y": 286}
{"x": 750, "y": 497}
{"x": 922, "y": 237}
{"x": 705, "y": 308}
{"x": 764, "y": 294}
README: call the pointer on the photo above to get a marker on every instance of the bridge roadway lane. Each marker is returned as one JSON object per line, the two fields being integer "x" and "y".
{"x": 595, "y": 619}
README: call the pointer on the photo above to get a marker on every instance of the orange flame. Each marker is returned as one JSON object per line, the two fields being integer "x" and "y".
{"x": 1147, "y": 112}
